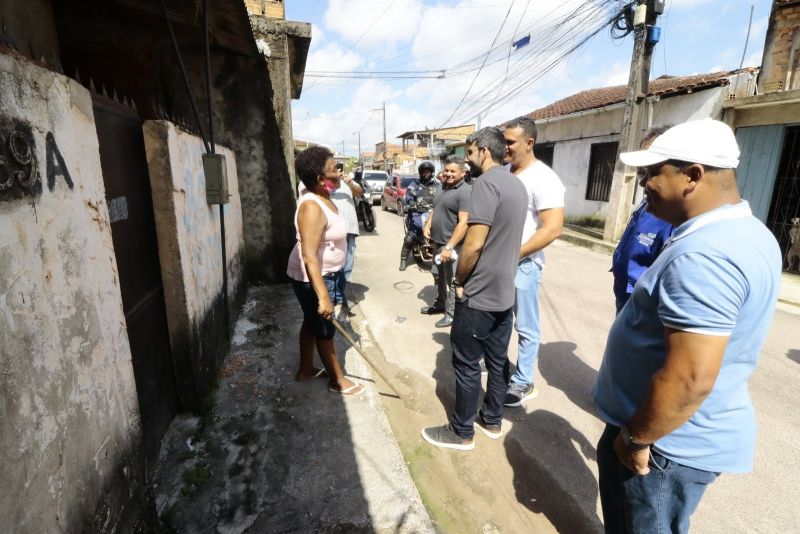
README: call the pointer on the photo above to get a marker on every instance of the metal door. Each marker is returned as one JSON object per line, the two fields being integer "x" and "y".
{"x": 784, "y": 211}
{"x": 124, "y": 164}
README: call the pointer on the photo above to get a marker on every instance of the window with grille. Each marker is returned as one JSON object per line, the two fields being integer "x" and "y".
{"x": 544, "y": 152}
{"x": 601, "y": 171}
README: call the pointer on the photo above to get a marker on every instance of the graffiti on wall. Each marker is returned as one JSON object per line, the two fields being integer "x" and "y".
{"x": 19, "y": 170}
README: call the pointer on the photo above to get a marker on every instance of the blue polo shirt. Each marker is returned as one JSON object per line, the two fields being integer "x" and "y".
{"x": 719, "y": 275}
{"x": 637, "y": 249}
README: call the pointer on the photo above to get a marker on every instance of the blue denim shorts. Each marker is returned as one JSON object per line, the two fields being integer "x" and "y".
{"x": 309, "y": 303}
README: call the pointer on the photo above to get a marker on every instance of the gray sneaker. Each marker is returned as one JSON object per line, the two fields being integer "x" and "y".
{"x": 445, "y": 436}
{"x": 491, "y": 431}
{"x": 517, "y": 394}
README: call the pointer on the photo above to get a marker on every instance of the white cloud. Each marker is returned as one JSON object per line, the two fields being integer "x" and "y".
{"x": 317, "y": 35}
{"x": 373, "y": 23}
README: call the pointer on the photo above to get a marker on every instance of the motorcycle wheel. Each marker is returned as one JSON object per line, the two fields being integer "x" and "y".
{"x": 426, "y": 253}
{"x": 369, "y": 220}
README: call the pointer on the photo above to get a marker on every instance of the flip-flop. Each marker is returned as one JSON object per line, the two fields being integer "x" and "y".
{"x": 353, "y": 391}
{"x": 321, "y": 373}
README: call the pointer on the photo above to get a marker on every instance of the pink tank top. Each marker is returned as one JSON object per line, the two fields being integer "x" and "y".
{"x": 332, "y": 247}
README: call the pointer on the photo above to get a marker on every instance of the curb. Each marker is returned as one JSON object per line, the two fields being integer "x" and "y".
{"x": 586, "y": 241}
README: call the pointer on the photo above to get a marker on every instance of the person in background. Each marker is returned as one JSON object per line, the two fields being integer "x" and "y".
{"x": 641, "y": 243}
{"x": 315, "y": 265}
{"x": 446, "y": 226}
{"x": 672, "y": 386}
{"x": 343, "y": 199}
{"x": 419, "y": 200}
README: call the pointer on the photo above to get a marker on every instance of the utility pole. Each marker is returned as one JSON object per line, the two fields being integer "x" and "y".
{"x": 385, "y": 148}
{"x": 359, "y": 146}
{"x": 623, "y": 184}
{"x": 344, "y": 156}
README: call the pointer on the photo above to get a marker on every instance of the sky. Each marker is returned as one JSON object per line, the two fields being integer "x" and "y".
{"x": 441, "y": 63}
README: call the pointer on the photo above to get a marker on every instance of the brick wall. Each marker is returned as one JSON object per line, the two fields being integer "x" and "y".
{"x": 782, "y": 46}
{"x": 273, "y": 9}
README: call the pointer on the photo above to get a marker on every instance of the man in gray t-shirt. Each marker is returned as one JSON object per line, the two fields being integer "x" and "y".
{"x": 484, "y": 294}
{"x": 447, "y": 226}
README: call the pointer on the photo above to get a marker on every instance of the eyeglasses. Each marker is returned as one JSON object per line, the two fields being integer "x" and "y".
{"x": 645, "y": 173}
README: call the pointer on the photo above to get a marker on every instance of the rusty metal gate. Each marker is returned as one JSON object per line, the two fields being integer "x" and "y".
{"x": 127, "y": 183}
{"x": 784, "y": 211}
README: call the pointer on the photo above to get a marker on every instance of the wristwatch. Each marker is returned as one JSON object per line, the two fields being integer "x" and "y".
{"x": 448, "y": 248}
{"x": 629, "y": 442}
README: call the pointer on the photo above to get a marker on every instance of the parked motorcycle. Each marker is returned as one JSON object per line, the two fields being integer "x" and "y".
{"x": 423, "y": 248}
{"x": 364, "y": 209}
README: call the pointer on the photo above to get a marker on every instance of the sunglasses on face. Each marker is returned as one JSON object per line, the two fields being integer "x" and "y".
{"x": 645, "y": 173}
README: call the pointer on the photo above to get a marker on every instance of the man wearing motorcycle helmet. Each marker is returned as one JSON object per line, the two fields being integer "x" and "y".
{"x": 418, "y": 201}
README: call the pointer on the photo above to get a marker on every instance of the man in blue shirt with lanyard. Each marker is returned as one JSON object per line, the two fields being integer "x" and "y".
{"x": 641, "y": 242}
{"x": 672, "y": 387}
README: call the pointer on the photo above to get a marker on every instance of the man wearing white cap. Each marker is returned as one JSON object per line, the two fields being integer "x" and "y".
{"x": 672, "y": 387}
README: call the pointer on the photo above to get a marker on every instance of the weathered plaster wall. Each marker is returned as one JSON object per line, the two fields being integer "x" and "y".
{"x": 190, "y": 252}
{"x": 574, "y": 136}
{"x": 69, "y": 418}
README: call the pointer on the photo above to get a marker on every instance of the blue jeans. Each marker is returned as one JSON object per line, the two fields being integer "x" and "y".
{"x": 661, "y": 501}
{"x": 476, "y": 334}
{"x": 526, "y": 315}
{"x": 349, "y": 260}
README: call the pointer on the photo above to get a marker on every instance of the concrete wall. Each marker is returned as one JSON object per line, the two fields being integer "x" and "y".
{"x": 574, "y": 135}
{"x": 190, "y": 252}
{"x": 69, "y": 419}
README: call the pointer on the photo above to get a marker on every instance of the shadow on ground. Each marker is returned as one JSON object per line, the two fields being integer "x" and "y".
{"x": 564, "y": 499}
{"x": 564, "y": 370}
{"x": 271, "y": 454}
{"x": 794, "y": 355}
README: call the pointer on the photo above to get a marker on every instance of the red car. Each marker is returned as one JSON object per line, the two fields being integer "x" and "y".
{"x": 394, "y": 192}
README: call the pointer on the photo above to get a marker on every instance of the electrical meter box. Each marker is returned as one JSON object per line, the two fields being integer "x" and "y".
{"x": 216, "y": 172}
{"x": 656, "y": 6}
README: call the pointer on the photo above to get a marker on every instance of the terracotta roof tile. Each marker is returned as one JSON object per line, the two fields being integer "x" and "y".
{"x": 606, "y": 96}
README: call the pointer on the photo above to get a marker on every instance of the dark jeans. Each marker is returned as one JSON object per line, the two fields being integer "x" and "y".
{"x": 443, "y": 277}
{"x": 477, "y": 334}
{"x": 309, "y": 303}
{"x": 661, "y": 501}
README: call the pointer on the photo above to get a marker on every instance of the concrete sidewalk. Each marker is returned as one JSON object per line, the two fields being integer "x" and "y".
{"x": 274, "y": 455}
{"x": 790, "y": 282}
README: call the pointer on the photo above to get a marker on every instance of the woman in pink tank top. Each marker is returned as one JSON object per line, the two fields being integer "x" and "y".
{"x": 315, "y": 266}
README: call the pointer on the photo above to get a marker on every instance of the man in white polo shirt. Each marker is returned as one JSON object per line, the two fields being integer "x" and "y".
{"x": 672, "y": 387}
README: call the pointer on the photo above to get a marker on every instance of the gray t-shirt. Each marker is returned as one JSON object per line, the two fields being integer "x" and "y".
{"x": 499, "y": 200}
{"x": 448, "y": 202}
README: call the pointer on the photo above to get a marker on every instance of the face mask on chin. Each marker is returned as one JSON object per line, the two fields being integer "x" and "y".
{"x": 329, "y": 186}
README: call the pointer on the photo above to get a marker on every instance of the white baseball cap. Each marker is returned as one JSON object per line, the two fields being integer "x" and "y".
{"x": 707, "y": 141}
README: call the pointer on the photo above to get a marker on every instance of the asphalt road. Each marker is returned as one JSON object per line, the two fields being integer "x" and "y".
{"x": 543, "y": 472}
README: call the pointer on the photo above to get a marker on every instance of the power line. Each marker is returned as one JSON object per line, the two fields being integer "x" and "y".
{"x": 374, "y": 22}
{"x": 484, "y": 63}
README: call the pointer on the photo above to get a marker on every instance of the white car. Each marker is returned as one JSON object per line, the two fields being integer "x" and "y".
{"x": 375, "y": 180}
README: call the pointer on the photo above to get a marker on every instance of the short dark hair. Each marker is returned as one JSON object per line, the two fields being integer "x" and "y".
{"x": 654, "y": 132}
{"x": 310, "y": 163}
{"x": 527, "y": 124}
{"x": 458, "y": 160}
{"x": 491, "y": 138}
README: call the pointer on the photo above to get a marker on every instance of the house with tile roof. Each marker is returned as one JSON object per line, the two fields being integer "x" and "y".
{"x": 767, "y": 128}
{"x": 578, "y": 136}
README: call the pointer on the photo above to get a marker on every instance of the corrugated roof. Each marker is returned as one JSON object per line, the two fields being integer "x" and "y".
{"x": 607, "y": 96}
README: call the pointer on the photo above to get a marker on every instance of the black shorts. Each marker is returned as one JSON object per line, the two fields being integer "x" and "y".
{"x": 309, "y": 303}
